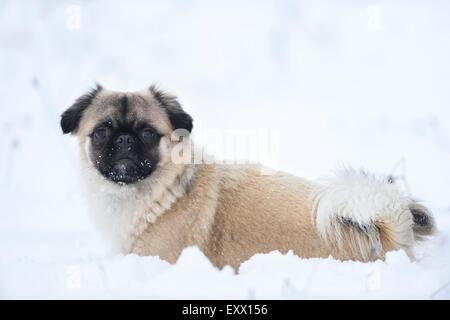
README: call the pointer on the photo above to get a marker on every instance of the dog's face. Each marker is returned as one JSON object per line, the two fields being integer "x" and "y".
{"x": 122, "y": 133}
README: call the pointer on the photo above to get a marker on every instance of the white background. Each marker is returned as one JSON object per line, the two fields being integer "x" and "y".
{"x": 357, "y": 83}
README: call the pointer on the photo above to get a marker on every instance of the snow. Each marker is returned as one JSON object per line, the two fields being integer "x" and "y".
{"x": 356, "y": 83}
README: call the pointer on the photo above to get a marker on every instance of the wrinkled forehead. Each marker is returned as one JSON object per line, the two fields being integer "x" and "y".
{"x": 121, "y": 107}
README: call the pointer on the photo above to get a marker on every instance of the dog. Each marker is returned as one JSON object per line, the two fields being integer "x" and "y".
{"x": 145, "y": 203}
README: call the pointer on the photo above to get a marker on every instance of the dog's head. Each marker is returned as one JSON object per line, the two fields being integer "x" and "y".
{"x": 123, "y": 133}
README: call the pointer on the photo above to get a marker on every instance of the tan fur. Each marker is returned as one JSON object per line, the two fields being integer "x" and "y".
{"x": 231, "y": 212}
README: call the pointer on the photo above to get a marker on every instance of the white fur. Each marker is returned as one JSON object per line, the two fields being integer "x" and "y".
{"x": 365, "y": 201}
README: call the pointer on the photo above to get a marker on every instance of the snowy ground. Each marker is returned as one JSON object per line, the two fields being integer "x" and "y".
{"x": 359, "y": 83}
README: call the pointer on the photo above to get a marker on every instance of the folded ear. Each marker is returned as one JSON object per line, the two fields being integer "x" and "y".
{"x": 70, "y": 119}
{"x": 177, "y": 116}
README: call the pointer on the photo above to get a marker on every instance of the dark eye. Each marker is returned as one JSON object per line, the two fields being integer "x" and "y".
{"x": 100, "y": 133}
{"x": 148, "y": 134}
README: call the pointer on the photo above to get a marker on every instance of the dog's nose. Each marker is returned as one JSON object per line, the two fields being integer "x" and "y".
{"x": 125, "y": 141}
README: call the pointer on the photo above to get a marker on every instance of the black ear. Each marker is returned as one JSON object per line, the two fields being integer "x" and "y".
{"x": 70, "y": 119}
{"x": 177, "y": 116}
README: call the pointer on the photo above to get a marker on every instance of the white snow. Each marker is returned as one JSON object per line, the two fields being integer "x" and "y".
{"x": 361, "y": 83}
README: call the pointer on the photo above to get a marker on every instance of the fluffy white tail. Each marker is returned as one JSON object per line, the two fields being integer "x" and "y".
{"x": 362, "y": 217}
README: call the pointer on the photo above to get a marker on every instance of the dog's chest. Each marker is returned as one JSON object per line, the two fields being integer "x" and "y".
{"x": 123, "y": 217}
{"x": 118, "y": 218}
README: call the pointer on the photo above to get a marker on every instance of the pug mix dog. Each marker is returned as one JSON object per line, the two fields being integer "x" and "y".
{"x": 146, "y": 203}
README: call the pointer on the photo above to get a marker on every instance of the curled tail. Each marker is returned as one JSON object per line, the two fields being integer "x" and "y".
{"x": 362, "y": 217}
